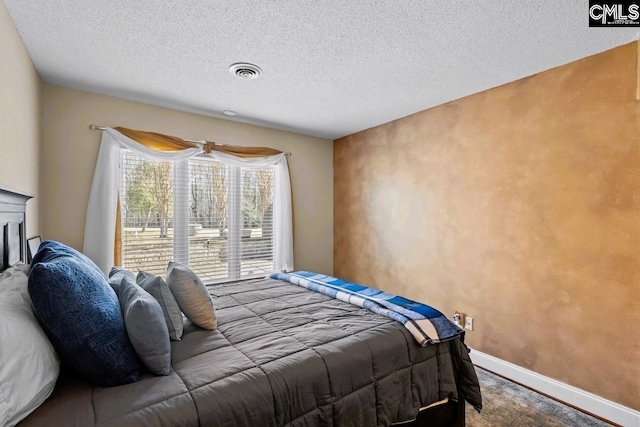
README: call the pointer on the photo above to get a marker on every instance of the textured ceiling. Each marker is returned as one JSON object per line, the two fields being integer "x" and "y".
{"x": 331, "y": 68}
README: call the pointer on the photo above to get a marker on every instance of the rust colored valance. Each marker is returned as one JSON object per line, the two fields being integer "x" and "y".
{"x": 161, "y": 142}
{"x": 238, "y": 151}
{"x": 156, "y": 141}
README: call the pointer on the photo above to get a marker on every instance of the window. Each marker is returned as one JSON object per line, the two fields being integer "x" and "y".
{"x": 216, "y": 218}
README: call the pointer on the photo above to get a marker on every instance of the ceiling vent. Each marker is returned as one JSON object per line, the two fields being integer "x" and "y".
{"x": 245, "y": 71}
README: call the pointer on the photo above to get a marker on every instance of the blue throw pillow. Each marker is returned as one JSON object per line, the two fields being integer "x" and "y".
{"x": 81, "y": 315}
{"x": 50, "y": 249}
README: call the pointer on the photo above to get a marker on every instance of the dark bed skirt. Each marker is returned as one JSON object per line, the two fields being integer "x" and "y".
{"x": 450, "y": 414}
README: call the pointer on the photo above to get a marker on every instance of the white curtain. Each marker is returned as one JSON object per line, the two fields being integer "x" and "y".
{"x": 100, "y": 226}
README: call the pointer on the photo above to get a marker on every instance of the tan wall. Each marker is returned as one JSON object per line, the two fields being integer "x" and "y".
{"x": 70, "y": 150}
{"x": 20, "y": 99}
{"x": 519, "y": 206}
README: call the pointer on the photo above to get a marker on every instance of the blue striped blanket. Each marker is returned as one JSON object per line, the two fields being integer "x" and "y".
{"x": 426, "y": 324}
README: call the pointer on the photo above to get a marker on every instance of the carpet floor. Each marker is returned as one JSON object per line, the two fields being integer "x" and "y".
{"x": 508, "y": 404}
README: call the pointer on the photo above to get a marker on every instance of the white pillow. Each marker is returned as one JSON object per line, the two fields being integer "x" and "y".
{"x": 192, "y": 295}
{"x": 29, "y": 366}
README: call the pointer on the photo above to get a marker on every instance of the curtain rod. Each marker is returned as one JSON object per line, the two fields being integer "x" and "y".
{"x": 193, "y": 141}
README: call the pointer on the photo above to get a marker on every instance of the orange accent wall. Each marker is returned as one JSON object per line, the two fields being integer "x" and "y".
{"x": 519, "y": 206}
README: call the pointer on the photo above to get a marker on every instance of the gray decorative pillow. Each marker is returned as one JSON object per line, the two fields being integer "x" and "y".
{"x": 116, "y": 275}
{"x": 192, "y": 295}
{"x": 159, "y": 289}
{"x": 146, "y": 327}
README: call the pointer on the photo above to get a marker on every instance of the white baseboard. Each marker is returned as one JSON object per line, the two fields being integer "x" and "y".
{"x": 574, "y": 396}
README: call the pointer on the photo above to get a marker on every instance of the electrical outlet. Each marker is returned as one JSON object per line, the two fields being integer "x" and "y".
{"x": 468, "y": 323}
{"x": 457, "y": 319}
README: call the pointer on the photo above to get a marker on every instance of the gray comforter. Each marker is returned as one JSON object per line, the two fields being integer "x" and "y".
{"x": 282, "y": 356}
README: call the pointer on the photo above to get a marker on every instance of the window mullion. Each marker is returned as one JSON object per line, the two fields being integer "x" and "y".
{"x": 181, "y": 211}
{"x": 234, "y": 195}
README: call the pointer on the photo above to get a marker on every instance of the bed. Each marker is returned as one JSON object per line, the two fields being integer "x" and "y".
{"x": 281, "y": 356}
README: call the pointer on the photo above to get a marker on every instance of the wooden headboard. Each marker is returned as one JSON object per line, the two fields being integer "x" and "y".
{"x": 13, "y": 207}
